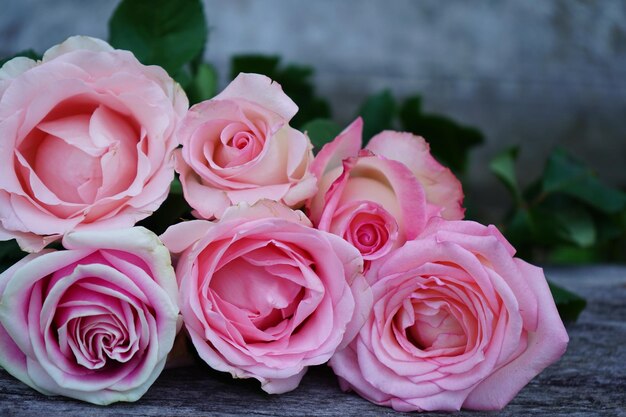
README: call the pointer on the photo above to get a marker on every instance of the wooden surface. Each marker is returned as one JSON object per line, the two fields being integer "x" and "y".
{"x": 589, "y": 380}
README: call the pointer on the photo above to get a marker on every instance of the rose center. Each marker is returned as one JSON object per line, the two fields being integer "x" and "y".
{"x": 80, "y": 157}
{"x": 238, "y": 145}
{"x": 371, "y": 236}
{"x": 258, "y": 294}
{"x": 241, "y": 140}
{"x": 435, "y": 327}
{"x": 94, "y": 328}
{"x": 93, "y": 339}
{"x": 371, "y": 230}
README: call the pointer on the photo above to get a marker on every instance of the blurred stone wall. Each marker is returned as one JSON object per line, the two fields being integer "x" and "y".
{"x": 537, "y": 73}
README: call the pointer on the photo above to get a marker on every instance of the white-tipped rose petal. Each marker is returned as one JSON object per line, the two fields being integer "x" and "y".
{"x": 74, "y": 43}
{"x": 95, "y": 321}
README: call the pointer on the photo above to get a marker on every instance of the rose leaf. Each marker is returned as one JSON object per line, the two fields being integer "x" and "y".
{"x": 169, "y": 33}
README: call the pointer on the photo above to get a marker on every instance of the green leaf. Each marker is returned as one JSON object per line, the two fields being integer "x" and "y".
{"x": 310, "y": 109}
{"x": 10, "y": 253}
{"x": 520, "y": 228}
{"x": 610, "y": 226}
{"x": 563, "y": 221}
{"x": 574, "y": 255}
{"x": 378, "y": 112}
{"x": 176, "y": 187}
{"x": 450, "y": 142}
{"x": 298, "y": 75}
{"x": 204, "y": 84}
{"x": 28, "y": 53}
{"x": 569, "y": 304}
{"x": 173, "y": 209}
{"x": 259, "y": 64}
{"x": 567, "y": 216}
{"x": 321, "y": 131}
{"x": 503, "y": 167}
{"x": 576, "y": 226}
{"x": 183, "y": 77}
{"x": 297, "y": 83}
{"x": 564, "y": 174}
{"x": 169, "y": 33}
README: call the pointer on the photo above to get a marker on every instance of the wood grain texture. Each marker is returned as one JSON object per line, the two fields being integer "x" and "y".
{"x": 590, "y": 379}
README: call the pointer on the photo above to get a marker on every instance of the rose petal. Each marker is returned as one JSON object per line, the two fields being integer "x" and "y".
{"x": 262, "y": 90}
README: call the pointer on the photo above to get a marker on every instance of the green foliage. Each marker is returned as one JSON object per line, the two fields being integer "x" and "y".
{"x": 566, "y": 175}
{"x": 450, "y": 142}
{"x": 260, "y": 64}
{"x": 503, "y": 166}
{"x": 172, "y": 211}
{"x": 204, "y": 85}
{"x": 321, "y": 131}
{"x": 169, "y": 33}
{"x": 566, "y": 216}
{"x": 28, "y": 53}
{"x": 569, "y": 304}
{"x": 378, "y": 113}
{"x": 10, "y": 253}
{"x": 296, "y": 81}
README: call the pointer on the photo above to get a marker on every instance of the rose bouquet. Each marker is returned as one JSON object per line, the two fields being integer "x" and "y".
{"x": 355, "y": 257}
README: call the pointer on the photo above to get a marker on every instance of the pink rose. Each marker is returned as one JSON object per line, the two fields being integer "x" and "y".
{"x": 94, "y": 322}
{"x": 457, "y": 322}
{"x": 238, "y": 147}
{"x": 380, "y": 197}
{"x": 86, "y": 141}
{"x": 264, "y": 295}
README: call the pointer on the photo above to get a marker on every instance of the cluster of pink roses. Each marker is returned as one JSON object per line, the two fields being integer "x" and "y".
{"x": 412, "y": 307}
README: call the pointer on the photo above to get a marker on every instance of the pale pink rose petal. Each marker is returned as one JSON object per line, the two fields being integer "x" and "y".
{"x": 442, "y": 188}
{"x": 301, "y": 191}
{"x": 207, "y": 201}
{"x": 74, "y": 43}
{"x": 278, "y": 386}
{"x": 498, "y": 389}
{"x": 262, "y": 90}
{"x": 346, "y": 145}
{"x": 13, "y": 68}
{"x": 28, "y": 242}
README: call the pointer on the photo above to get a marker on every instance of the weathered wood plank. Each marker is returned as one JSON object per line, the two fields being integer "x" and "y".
{"x": 589, "y": 380}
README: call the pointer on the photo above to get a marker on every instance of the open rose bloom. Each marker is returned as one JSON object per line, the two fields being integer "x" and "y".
{"x": 86, "y": 141}
{"x": 264, "y": 295}
{"x": 382, "y": 196}
{"x": 457, "y": 322}
{"x": 95, "y": 321}
{"x": 238, "y": 147}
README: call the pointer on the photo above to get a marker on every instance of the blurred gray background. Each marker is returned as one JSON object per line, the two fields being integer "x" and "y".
{"x": 537, "y": 73}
